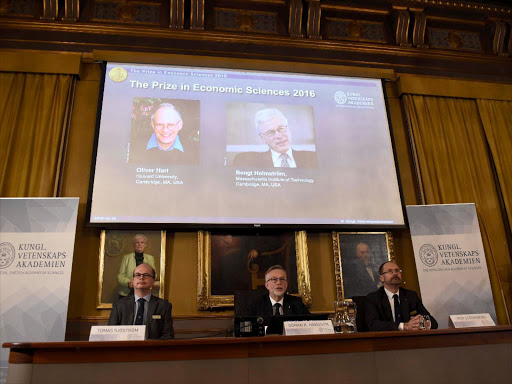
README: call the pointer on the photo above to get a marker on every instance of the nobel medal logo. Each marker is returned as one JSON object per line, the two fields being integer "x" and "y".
{"x": 118, "y": 74}
{"x": 428, "y": 255}
{"x": 7, "y": 254}
{"x": 340, "y": 97}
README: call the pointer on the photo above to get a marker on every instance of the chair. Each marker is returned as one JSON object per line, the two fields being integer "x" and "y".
{"x": 360, "y": 316}
{"x": 243, "y": 300}
{"x": 245, "y": 323}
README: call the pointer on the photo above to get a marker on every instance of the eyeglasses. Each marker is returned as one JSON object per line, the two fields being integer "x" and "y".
{"x": 276, "y": 279}
{"x": 169, "y": 126}
{"x": 392, "y": 271}
{"x": 270, "y": 134}
{"x": 143, "y": 275}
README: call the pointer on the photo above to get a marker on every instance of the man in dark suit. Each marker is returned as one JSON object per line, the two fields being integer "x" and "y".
{"x": 272, "y": 127}
{"x": 277, "y": 302}
{"x": 392, "y": 308}
{"x": 142, "y": 308}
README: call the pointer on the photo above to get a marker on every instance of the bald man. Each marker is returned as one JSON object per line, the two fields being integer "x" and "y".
{"x": 142, "y": 308}
{"x": 165, "y": 146}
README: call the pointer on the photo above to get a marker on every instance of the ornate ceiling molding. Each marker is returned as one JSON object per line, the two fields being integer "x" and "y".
{"x": 419, "y": 35}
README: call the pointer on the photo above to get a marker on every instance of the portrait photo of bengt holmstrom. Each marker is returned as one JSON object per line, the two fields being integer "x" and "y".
{"x": 270, "y": 136}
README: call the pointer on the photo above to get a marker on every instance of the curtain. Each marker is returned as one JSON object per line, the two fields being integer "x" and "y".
{"x": 454, "y": 166}
{"x": 497, "y": 121}
{"x": 33, "y": 117}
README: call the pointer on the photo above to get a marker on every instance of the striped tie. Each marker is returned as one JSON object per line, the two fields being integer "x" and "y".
{"x": 284, "y": 161}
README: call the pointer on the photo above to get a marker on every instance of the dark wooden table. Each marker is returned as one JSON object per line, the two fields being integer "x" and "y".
{"x": 472, "y": 355}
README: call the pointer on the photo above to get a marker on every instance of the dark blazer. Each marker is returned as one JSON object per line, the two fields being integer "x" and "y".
{"x": 303, "y": 159}
{"x": 262, "y": 306}
{"x": 123, "y": 314}
{"x": 378, "y": 310}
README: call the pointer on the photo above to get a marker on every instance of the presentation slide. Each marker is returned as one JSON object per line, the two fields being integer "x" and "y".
{"x": 184, "y": 145}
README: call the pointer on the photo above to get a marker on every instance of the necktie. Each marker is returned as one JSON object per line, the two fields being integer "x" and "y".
{"x": 284, "y": 161}
{"x": 277, "y": 312}
{"x": 139, "y": 318}
{"x": 398, "y": 311}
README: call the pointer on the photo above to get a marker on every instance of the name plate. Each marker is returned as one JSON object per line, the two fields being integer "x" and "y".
{"x": 471, "y": 320}
{"x": 308, "y": 327}
{"x": 117, "y": 332}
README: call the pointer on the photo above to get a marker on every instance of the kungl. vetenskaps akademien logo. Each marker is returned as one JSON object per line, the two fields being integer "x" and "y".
{"x": 428, "y": 255}
{"x": 340, "y": 97}
{"x": 7, "y": 254}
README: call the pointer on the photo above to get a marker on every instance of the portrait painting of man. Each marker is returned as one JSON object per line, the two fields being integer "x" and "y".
{"x": 359, "y": 256}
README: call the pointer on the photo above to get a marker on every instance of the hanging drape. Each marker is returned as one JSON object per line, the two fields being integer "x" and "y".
{"x": 34, "y": 110}
{"x": 497, "y": 121}
{"x": 454, "y": 165}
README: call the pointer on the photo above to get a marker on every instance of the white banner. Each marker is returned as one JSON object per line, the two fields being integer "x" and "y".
{"x": 450, "y": 260}
{"x": 37, "y": 237}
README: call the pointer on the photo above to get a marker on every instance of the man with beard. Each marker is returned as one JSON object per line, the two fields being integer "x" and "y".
{"x": 391, "y": 307}
{"x": 277, "y": 302}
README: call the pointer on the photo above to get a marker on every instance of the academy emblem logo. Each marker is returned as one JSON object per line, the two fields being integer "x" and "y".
{"x": 7, "y": 255}
{"x": 428, "y": 255}
{"x": 340, "y": 97}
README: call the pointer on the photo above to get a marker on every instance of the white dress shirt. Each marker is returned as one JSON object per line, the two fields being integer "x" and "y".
{"x": 276, "y": 159}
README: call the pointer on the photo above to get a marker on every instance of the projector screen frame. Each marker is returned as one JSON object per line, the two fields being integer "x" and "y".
{"x": 247, "y": 64}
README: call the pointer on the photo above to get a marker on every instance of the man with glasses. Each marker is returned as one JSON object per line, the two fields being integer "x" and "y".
{"x": 392, "y": 308}
{"x": 272, "y": 128}
{"x": 277, "y": 302}
{"x": 166, "y": 123}
{"x": 142, "y": 308}
{"x": 165, "y": 146}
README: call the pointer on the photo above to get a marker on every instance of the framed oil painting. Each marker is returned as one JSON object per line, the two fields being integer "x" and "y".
{"x": 233, "y": 262}
{"x": 117, "y": 261}
{"x": 357, "y": 257}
